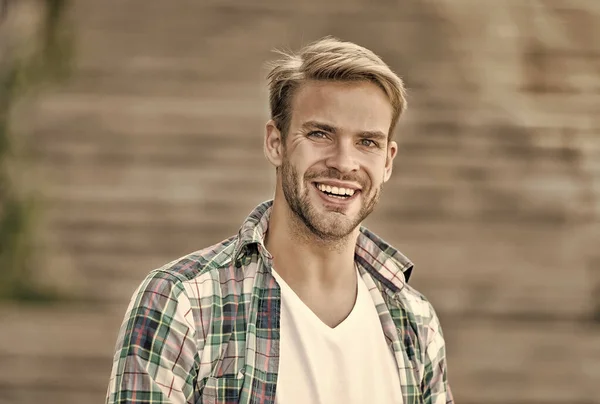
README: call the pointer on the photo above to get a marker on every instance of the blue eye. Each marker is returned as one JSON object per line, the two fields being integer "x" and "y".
{"x": 368, "y": 143}
{"x": 318, "y": 134}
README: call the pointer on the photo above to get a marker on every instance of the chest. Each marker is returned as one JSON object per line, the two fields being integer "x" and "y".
{"x": 248, "y": 349}
{"x": 331, "y": 307}
{"x": 351, "y": 363}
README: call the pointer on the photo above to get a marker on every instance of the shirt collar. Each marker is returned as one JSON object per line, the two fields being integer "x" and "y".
{"x": 379, "y": 258}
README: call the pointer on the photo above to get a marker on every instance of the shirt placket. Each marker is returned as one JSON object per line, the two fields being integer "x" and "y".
{"x": 262, "y": 349}
{"x": 392, "y": 329}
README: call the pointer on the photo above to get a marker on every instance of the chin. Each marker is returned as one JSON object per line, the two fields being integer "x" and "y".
{"x": 332, "y": 225}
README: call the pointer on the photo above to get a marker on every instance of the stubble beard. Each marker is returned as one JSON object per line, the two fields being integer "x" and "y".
{"x": 326, "y": 229}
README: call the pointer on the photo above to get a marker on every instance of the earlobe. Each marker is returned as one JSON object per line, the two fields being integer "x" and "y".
{"x": 273, "y": 144}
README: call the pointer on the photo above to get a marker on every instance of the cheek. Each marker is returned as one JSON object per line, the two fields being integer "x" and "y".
{"x": 296, "y": 171}
{"x": 375, "y": 169}
{"x": 310, "y": 163}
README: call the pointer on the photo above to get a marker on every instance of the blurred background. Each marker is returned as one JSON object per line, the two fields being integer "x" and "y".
{"x": 131, "y": 134}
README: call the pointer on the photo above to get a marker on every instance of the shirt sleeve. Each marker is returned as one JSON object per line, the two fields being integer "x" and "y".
{"x": 156, "y": 350}
{"x": 435, "y": 388}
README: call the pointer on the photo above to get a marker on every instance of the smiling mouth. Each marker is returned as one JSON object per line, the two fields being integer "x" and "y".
{"x": 336, "y": 192}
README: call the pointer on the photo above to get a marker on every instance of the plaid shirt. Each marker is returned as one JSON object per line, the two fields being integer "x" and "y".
{"x": 205, "y": 328}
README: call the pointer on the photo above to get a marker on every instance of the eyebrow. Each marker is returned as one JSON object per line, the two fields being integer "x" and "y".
{"x": 375, "y": 134}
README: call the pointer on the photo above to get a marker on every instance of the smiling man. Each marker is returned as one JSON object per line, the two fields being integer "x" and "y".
{"x": 304, "y": 304}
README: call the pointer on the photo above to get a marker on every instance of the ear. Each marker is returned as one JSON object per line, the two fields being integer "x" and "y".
{"x": 273, "y": 146}
{"x": 392, "y": 150}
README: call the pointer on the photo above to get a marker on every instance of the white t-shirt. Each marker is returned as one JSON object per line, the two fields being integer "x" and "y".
{"x": 350, "y": 364}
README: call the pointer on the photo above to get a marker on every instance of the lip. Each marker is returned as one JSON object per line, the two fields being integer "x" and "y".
{"x": 332, "y": 201}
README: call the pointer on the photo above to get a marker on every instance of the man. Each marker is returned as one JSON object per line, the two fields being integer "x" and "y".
{"x": 303, "y": 305}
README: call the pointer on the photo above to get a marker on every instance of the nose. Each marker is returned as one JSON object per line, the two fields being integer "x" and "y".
{"x": 342, "y": 157}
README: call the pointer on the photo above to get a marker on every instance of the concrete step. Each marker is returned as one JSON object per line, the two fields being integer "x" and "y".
{"x": 56, "y": 354}
{"x": 119, "y": 135}
{"x": 502, "y": 268}
{"x": 376, "y": 9}
{"x": 119, "y": 117}
{"x": 504, "y": 351}
{"x": 117, "y": 46}
{"x": 60, "y": 331}
{"x": 111, "y": 258}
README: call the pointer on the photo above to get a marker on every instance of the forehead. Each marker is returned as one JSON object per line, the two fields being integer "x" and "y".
{"x": 352, "y": 106}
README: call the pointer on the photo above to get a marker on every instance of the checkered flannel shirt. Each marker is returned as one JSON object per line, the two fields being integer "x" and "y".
{"x": 205, "y": 328}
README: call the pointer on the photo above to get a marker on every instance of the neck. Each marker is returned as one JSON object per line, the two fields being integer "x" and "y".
{"x": 301, "y": 257}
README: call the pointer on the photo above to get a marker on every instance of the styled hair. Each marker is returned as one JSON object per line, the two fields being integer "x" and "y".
{"x": 329, "y": 59}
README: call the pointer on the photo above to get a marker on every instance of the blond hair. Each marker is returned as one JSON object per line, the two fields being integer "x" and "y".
{"x": 330, "y": 59}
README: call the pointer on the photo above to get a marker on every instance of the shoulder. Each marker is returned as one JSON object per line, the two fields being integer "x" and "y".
{"x": 417, "y": 304}
{"x": 187, "y": 281}
{"x": 421, "y": 315}
{"x": 201, "y": 262}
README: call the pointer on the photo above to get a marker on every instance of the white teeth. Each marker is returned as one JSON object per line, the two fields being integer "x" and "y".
{"x": 336, "y": 190}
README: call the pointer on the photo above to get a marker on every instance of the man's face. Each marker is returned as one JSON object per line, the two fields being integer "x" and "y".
{"x": 336, "y": 156}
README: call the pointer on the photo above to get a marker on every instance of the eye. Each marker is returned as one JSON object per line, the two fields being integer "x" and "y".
{"x": 369, "y": 143}
{"x": 317, "y": 134}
